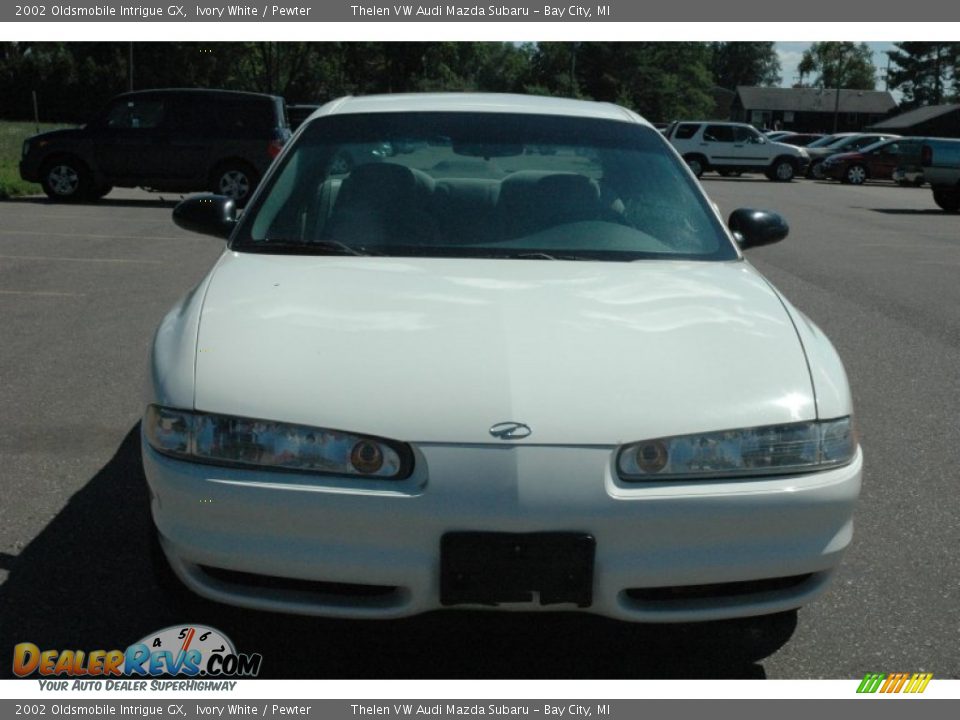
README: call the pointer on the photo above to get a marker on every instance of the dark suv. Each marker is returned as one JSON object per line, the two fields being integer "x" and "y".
{"x": 174, "y": 140}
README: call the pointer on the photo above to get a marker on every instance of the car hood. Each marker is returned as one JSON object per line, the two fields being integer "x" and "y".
{"x": 846, "y": 157}
{"x": 53, "y": 135}
{"x": 788, "y": 149}
{"x": 823, "y": 152}
{"x": 439, "y": 350}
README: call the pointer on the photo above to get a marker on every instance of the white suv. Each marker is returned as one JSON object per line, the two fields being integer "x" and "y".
{"x": 733, "y": 148}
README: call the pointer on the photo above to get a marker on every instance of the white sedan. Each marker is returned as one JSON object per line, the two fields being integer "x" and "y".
{"x": 518, "y": 361}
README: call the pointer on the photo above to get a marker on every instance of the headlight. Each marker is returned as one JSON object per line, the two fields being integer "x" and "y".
{"x": 227, "y": 440}
{"x": 770, "y": 450}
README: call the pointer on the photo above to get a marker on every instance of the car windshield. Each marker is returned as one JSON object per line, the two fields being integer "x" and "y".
{"x": 827, "y": 140}
{"x": 844, "y": 141}
{"x": 483, "y": 185}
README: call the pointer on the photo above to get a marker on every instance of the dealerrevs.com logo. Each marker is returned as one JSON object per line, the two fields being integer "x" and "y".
{"x": 180, "y": 650}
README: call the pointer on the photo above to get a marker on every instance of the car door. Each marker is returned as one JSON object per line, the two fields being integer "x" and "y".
{"x": 125, "y": 138}
{"x": 717, "y": 143}
{"x": 752, "y": 148}
{"x": 882, "y": 160}
{"x": 187, "y": 134}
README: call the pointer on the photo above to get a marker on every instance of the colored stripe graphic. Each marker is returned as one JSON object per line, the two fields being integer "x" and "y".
{"x": 894, "y": 682}
{"x": 919, "y": 682}
{"x": 871, "y": 682}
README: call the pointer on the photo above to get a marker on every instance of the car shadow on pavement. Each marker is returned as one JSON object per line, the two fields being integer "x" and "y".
{"x": 85, "y": 582}
{"x": 160, "y": 201}
{"x": 736, "y": 179}
{"x": 908, "y": 211}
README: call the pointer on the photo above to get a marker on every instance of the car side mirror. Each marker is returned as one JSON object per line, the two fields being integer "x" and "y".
{"x": 207, "y": 214}
{"x": 753, "y": 228}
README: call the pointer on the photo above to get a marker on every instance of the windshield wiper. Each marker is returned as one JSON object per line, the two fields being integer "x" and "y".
{"x": 538, "y": 255}
{"x": 320, "y": 247}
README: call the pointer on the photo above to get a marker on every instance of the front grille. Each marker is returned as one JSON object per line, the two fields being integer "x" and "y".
{"x": 716, "y": 590}
{"x": 314, "y": 587}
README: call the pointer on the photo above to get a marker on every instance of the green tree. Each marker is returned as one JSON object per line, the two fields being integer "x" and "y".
{"x": 923, "y": 71}
{"x": 744, "y": 63}
{"x": 839, "y": 65}
{"x": 661, "y": 81}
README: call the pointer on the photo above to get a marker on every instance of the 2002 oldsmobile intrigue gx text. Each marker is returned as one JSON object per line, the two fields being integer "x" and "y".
{"x": 514, "y": 360}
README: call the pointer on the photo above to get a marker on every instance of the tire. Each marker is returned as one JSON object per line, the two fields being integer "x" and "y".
{"x": 235, "y": 180}
{"x": 782, "y": 170}
{"x": 102, "y": 191}
{"x": 855, "y": 175}
{"x": 947, "y": 198}
{"x": 66, "y": 179}
{"x": 815, "y": 171}
{"x": 696, "y": 163}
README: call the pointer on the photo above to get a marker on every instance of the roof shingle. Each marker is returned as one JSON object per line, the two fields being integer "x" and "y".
{"x": 879, "y": 102}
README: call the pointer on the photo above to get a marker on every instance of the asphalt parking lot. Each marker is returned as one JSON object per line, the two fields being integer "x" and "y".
{"x": 82, "y": 288}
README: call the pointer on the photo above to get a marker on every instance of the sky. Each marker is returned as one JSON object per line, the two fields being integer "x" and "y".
{"x": 791, "y": 52}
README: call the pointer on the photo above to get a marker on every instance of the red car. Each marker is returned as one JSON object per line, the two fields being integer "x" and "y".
{"x": 874, "y": 162}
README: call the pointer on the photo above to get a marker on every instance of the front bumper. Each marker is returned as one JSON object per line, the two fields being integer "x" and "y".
{"x": 29, "y": 170}
{"x": 833, "y": 171}
{"x": 371, "y": 549}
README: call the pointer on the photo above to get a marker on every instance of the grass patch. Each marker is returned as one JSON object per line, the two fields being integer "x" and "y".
{"x": 12, "y": 135}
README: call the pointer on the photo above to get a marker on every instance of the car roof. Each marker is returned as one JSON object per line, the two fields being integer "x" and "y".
{"x": 718, "y": 122}
{"x": 478, "y": 102}
{"x": 196, "y": 91}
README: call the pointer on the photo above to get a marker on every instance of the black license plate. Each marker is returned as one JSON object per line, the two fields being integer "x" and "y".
{"x": 489, "y": 568}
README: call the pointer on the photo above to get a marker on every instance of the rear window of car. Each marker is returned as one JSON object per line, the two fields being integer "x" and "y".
{"x": 484, "y": 185}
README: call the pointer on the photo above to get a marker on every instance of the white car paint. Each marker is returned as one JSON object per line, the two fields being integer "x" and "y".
{"x": 433, "y": 352}
{"x": 461, "y": 344}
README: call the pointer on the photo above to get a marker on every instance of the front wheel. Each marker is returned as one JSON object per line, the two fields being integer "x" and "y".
{"x": 696, "y": 164}
{"x": 855, "y": 175}
{"x": 815, "y": 172}
{"x": 66, "y": 180}
{"x": 235, "y": 181}
{"x": 948, "y": 198}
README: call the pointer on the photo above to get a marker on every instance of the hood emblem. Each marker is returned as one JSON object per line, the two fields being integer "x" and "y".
{"x": 510, "y": 430}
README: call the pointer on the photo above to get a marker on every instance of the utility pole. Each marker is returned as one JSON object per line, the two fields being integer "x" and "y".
{"x": 839, "y": 81}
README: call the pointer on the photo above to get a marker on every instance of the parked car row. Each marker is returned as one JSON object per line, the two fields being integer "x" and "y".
{"x": 853, "y": 158}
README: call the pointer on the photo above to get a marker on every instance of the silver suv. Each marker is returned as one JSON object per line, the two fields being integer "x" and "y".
{"x": 734, "y": 148}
